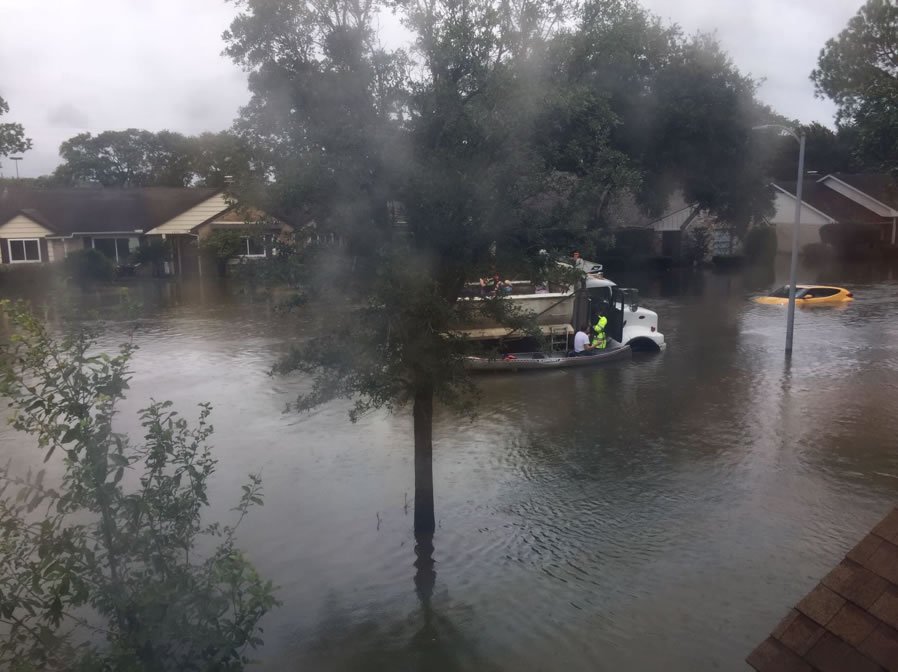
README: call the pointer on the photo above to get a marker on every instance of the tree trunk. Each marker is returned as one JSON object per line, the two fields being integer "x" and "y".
{"x": 425, "y": 523}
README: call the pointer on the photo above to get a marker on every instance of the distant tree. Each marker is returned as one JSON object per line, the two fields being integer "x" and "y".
{"x": 130, "y": 158}
{"x": 635, "y": 105}
{"x": 858, "y": 70}
{"x": 827, "y": 151}
{"x": 12, "y": 135}
{"x": 700, "y": 134}
{"x": 215, "y": 157}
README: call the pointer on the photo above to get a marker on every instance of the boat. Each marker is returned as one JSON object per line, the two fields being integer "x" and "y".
{"x": 542, "y": 361}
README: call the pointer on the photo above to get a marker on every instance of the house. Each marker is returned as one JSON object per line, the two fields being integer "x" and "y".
{"x": 45, "y": 225}
{"x": 869, "y": 199}
{"x": 668, "y": 229}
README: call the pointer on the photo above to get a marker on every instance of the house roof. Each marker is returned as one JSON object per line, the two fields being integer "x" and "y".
{"x": 831, "y": 203}
{"x": 879, "y": 186}
{"x": 99, "y": 210}
{"x": 849, "y": 621}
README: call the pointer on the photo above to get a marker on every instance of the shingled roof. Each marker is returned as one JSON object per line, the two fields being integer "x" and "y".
{"x": 832, "y": 203}
{"x": 99, "y": 210}
{"x": 849, "y": 621}
{"x": 879, "y": 186}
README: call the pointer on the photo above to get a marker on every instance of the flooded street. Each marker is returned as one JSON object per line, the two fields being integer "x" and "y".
{"x": 662, "y": 513}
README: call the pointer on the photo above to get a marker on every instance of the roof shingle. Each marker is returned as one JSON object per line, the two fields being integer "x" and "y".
{"x": 99, "y": 210}
{"x": 849, "y": 621}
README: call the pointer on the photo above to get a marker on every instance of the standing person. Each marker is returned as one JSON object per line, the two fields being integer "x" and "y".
{"x": 581, "y": 342}
{"x": 600, "y": 340}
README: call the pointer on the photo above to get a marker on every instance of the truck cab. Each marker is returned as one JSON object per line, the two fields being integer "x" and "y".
{"x": 628, "y": 323}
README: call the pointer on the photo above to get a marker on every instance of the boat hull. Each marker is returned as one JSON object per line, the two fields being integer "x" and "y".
{"x": 539, "y": 361}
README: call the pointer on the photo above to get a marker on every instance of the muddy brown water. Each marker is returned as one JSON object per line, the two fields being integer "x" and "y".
{"x": 662, "y": 513}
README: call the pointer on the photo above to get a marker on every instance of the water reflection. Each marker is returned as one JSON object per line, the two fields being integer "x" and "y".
{"x": 661, "y": 513}
{"x": 426, "y": 638}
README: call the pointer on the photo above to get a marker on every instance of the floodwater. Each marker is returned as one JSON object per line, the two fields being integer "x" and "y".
{"x": 662, "y": 513}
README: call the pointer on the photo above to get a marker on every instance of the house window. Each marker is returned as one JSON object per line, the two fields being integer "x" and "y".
{"x": 26, "y": 250}
{"x": 254, "y": 247}
{"x": 117, "y": 249}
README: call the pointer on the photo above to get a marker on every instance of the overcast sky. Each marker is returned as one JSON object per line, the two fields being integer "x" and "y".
{"x": 68, "y": 66}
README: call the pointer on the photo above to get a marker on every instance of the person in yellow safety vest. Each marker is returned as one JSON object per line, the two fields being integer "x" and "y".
{"x": 600, "y": 340}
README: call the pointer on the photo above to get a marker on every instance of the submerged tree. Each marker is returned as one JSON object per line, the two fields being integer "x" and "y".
{"x": 500, "y": 135}
{"x": 120, "y": 572}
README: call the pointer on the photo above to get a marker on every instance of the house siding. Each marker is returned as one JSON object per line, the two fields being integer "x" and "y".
{"x": 56, "y": 250}
{"x": 784, "y": 220}
{"x": 21, "y": 226}
{"x": 189, "y": 220}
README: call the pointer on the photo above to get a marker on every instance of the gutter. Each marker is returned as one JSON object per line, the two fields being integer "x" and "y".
{"x": 130, "y": 234}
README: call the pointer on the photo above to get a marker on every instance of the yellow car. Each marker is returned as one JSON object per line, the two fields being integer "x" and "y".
{"x": 807, "y": 295}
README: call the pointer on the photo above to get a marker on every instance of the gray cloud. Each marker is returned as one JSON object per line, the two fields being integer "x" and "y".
{"x": 157, "y": 64}
{"x": 67, "y": 115}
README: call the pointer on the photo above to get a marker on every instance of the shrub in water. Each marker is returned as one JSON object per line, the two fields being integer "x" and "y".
{"x": 89, "y": 266}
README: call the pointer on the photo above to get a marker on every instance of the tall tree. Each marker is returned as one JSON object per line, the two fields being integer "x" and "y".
{"x": 129, "y": 158}
{"x": 506, "y": 103}
{"x": 344, "y": 133}
{"x": 858, "y": 70}
{"x": 217, "y": 157}
{"x": 12, "y": 135}
{"x": 827, "y": 152}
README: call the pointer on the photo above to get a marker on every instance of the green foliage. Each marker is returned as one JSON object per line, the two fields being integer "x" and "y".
{"x": 517, "y": 124}
{"x": 697, "y": 245}
{"x": 101, "y": 569}
{"x": 288, "y": 266}
{"x": 760, "y": 245}
{"x": 826, "y": 152}
{"x": 858, "y": 70}
{"x": 139, "y": 158}
{"x": 89, "y": 265}
{"x": 12, "y": 135}
{"x": 224, "y": 244}
{"x": 129, "y": 158}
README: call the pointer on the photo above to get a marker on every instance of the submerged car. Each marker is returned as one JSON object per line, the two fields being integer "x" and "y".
{"x": 808, "y": 295}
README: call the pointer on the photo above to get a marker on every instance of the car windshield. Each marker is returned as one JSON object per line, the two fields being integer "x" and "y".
{"x": 783, "y": 292}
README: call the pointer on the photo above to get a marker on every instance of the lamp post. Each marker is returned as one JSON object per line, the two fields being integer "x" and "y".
{"x": 800, "y": 138}
{"x": 16, "y": 159}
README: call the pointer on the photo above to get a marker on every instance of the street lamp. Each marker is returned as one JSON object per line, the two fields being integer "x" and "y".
{"x": 16, "y": 159}
{"x": 800, "y": 137}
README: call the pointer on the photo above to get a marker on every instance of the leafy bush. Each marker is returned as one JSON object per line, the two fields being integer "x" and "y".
{"x": 106, "y": 561}
{"x": 697, "y": 245}
{"x": 89, "y": 265}
{"x": 760, "y": 245}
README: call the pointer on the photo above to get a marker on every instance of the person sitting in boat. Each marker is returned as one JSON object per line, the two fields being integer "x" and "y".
{"x": 600, "y": 340}
{"x": 582, "y": 346}
{"x": 489, "y": 286}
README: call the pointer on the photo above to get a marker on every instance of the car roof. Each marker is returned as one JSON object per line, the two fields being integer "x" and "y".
{"x": 841, "y": 289}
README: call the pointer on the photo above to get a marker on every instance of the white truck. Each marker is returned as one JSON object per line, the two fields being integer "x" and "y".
{"x": 560, "y": 310}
